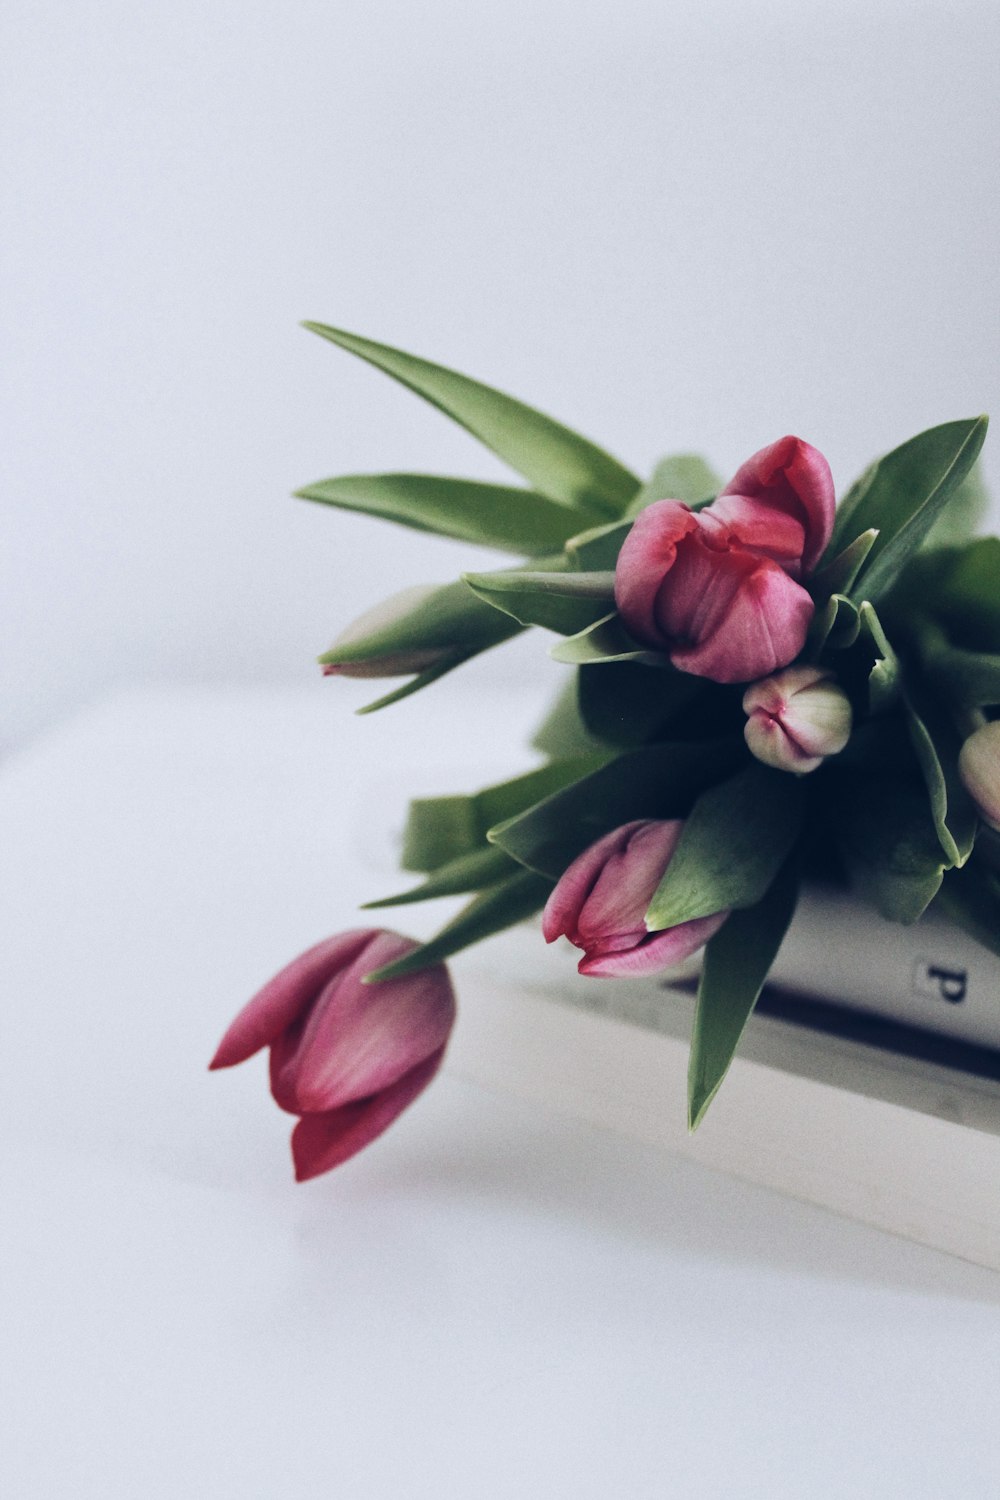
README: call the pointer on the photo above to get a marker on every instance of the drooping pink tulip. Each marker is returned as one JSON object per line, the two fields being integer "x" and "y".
{"x": 600, "y": 904}
{"x": 345, "y": 1056}
{"x": 796, "y": 718}
{"x": 717, "y": 589}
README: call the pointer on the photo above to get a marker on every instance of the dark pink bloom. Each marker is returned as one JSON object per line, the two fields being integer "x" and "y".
{"x": 345, "y": 1056}
{"x": 600, "y": 904}
{"x": 718, "y": 589}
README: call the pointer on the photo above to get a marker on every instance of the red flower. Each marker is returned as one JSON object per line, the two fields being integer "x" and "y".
{"x": 345, "y": 1056}
{"x": 600, "y": 904}
{"x": 717, "y": 589}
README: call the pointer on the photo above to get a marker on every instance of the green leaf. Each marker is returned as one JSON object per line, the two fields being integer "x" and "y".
{"x": 637, "y": 703}
{"x": 884, "y": 677}
{"x": 839, "y": 574}
{"x": 516, "y": 898}
{"x": 490, "y": 515}
{"x": 902, "y": 495}
{"x": 737, "y": 961}
{"x": 958, "y": 585}
{"x": 560, "y": 463}
{"x": 562, "y": 732}
{"x": 681, "y": 476}
{"x": 971, "y": 898}
{"x": 468, "y": 872}
{"x": 886, "y": 835}
{"x": 965, "y": 513}
{"x": 440, "y": 829}
{"x": 970, "y": 679}
{"x": 597, "y": 550}
{"x": 656, "y": 781}
{"x": 605, "y": 641}
{"x": 937, "y": 745}
{"x": 421, "y": 680}
{"x": 563, "y": 602}
{"x": 735, "y": 840}
{"x": 834, "y": 626}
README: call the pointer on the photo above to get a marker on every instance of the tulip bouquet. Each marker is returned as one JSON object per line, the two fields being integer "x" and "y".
{"x": 762, "y": 687}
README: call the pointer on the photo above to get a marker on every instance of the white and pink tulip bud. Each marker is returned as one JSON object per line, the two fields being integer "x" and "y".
{"x": 601, "y": 900}
{"x": 979, "y": 768}
{"x": 353, "y": 650}
{"x": 796, "y": 718}
{"x": 346, "y": 1057}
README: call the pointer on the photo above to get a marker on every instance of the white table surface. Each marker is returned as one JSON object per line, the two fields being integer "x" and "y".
{"x": 493, "y": 1300}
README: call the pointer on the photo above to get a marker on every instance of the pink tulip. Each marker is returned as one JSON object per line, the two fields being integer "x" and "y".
{"x": 796, "y": 719}
{"x": 345, "y": 1056}
{"x": 600, "y": 904}
{"x": 717, "y": 589}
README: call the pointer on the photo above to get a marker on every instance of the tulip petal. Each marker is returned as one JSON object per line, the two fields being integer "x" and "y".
{"x": 759, "y": 527}
{"x": 763, "y": 628}
{"x": 322, "y": 1141}
{"x": 794, "y": 477}
{"x": 285, "y": 997}
{"x": 359, "y": 1039}
{"x": 658, "y": 950}
{"x": 616, "y": 906}
{"x": 647, "y": 554}
{"x": 566, "y": 901}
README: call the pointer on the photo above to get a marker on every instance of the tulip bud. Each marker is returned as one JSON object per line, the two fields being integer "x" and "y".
{"x": 367, "y": 628}
{"x": 345, "y": 1056}
{"x": 979, "y": 768}
{"x": 796, "y": 719}
{"x": 600, "y": 904}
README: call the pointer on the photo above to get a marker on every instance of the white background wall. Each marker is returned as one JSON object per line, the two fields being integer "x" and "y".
{"x": 670, "y": 228}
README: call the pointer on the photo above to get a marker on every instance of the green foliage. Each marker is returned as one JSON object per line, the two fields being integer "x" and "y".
{"x": 884, "y": 829}
{"x": 902, "y": 496}
{"x": 474, "y": 871}
{"x": 736, "y": 839}
{"x": 563, "y": 602}
{"x": 737, "y": 960}
{"x": 656, "y": 781}
{"x": 556, "y": 461}
{"x": 490, "y": 515}
{"x": 515, "y": 898}
{"x": 681, "y": 476}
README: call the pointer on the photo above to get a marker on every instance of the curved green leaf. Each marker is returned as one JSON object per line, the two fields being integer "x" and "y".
{"x": 737, "y": 961}
{"x": 562, "y": 464}
{"x": 902, "y": 496}
{"x": 937, "y": 745}
{"x": 563, "y": 602}
{"x": 680, "y": 476}
{"x": 605, "y": 641}
{"x": 468, "y": 872}
{"x": 490, "y": 515}
{"x": 655, "y": 781}
{"x": 735, "y": 840}
{"x": 516, "y": 898}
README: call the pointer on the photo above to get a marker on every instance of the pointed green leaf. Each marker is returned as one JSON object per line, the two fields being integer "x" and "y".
{"x": 440, "y": 829}
{"x": 884, "y": 678}
{"x": 834, "y": 626}
{"x": 562, "y": 732}
{"x": 656, "y": 781}
{"x": 737, "y": 961}
{"x": 964, "y": 514}
{"x": 560, "y": 463}
{"x": 414, "y": 685}
{"x": 884, "y": 829}
{"x": 937, "y": 745}
{"x": 680, "y": 476}
{"x": 563, "y": 602}
{"x": 902, "y": 495}
{"x": 469, "y": 872}
{"x": 490, "y": 515}
{"x": 839, "y": 574}
{"x": 518, "y": 897}
{"x": 605, "y": 641}
{"x": 736, "y": 839}
{"x": 597, "y": 549}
